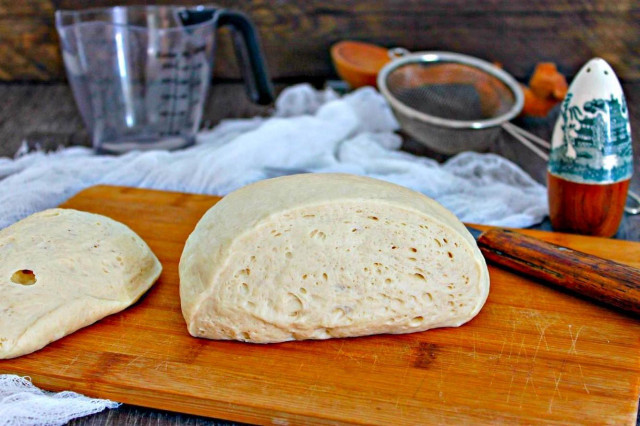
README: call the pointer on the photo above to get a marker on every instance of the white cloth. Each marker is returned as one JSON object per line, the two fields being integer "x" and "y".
{"x": 21, "y": 404}
{"x": 310, "y": 131}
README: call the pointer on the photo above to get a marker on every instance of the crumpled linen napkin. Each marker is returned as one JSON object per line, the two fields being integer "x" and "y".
{"x": 310, "y": 131}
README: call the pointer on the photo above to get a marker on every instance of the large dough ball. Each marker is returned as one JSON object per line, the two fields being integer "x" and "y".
{"x": 61, "y": 270}
{"x": 316, "y": 256}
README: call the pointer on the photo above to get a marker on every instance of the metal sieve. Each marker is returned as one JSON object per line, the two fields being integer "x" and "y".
{"x": 450, "y": 102}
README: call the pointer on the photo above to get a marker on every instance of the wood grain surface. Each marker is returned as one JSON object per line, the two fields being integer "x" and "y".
{"x": 297, "y": 35}
{"x": 567, "y": 201}
{"x": 533, "y": 354}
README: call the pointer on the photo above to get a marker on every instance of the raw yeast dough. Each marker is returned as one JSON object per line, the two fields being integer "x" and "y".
{"x": 61, "y": 270}
{"x": 316, "y": 256}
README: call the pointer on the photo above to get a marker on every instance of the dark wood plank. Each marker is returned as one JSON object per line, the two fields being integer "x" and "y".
{"x": 128, "y": 415}
{"x": 46, "y": 114}
{"x": 296, "y": 35}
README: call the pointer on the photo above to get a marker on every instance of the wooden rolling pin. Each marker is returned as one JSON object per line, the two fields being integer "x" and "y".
{"x": 609, "y": 282}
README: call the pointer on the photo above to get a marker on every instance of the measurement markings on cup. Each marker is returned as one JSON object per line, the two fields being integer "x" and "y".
{"x": 182, "y": 78}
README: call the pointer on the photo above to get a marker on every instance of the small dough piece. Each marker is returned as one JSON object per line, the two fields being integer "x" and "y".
{"x": 63, "y": 269}
{"x": 316, "y": 256}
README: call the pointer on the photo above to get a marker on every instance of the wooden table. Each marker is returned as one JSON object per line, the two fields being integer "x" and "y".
{"x": 45, "y": 114}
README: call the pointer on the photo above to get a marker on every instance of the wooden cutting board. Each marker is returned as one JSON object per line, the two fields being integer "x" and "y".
{"x": 533, "y": 354}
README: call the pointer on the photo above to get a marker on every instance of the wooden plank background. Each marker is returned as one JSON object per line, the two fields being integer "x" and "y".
{"x": 297, "y": 34}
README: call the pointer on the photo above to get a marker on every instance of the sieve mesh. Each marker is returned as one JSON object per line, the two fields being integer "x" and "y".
{"x": 450, "y": 90}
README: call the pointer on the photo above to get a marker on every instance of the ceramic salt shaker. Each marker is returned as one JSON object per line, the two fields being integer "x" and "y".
{"x": 591, "y": 162}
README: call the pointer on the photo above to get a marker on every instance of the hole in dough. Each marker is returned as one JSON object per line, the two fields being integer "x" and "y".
{"x": 416, "y": 321}
{"x": 24, "y": 277}
{"x": 338, "y": 313}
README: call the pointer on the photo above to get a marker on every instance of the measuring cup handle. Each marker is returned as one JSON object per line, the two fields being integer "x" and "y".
{"x": 249, "y": 54}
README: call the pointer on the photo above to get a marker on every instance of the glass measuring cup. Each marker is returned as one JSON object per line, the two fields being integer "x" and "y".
{"x": 140, "y": 74}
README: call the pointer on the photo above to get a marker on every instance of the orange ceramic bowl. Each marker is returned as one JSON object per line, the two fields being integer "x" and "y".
{"x": 358, "y": 63}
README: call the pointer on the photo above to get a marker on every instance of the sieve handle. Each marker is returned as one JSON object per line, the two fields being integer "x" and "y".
{"x": 527, "y": 139}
